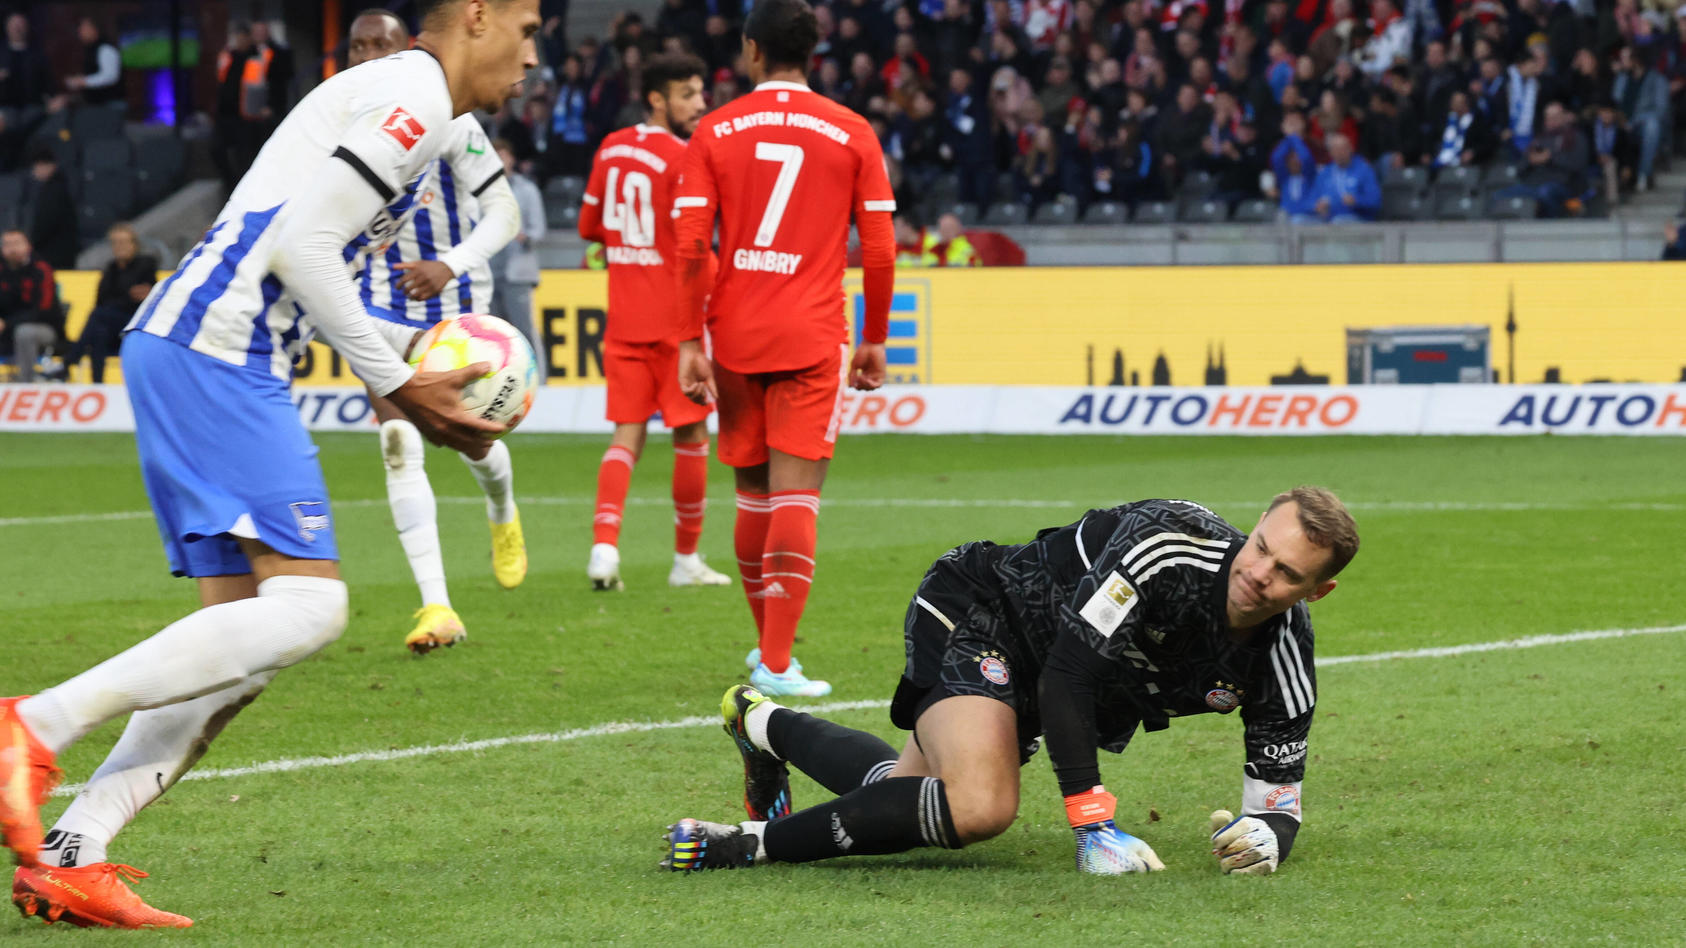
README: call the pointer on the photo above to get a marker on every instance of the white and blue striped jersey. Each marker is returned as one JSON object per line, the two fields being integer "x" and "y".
{"x": 387, "y": 120}
{"x": 447, "y": 210}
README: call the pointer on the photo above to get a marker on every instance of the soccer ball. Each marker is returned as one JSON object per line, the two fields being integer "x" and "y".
{"x": 503, "y": 395}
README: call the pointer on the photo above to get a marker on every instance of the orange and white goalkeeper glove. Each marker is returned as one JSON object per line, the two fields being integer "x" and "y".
{"x": 1102, "y": 847}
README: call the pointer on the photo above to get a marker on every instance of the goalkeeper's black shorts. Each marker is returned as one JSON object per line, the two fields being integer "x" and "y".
{"x": 958, "y": 643}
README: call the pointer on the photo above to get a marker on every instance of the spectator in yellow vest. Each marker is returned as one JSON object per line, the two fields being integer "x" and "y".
{"x": 914, "y": 245}
{"x": 950, "y": 245}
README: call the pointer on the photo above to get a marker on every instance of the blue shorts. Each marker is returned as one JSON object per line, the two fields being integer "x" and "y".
{"x": 224, "y": 455}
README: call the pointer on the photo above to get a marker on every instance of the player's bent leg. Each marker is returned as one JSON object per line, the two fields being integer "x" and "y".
{"x": 496, "y": 477}
{"x": 838, "y": 758}
{"x": 972, "y": 795}
{"x": 971, "y": 744}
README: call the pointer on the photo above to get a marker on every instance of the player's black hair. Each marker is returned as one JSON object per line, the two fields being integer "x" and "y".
{"x": 427, "y": 8}
{"x": 670, "y": 67}
{"x": 785, "y": 30}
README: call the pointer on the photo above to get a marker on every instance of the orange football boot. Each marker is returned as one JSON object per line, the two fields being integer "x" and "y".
{"x": 27, "y": 776}
{"x": 88, "y": 897}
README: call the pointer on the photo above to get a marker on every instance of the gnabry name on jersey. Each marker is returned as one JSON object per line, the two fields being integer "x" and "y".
{"x": 766, "y": 261}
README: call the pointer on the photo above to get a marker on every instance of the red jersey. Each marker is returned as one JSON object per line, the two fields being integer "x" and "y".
{"x": 628, "y": 206}
{"x": 785, "y": 169}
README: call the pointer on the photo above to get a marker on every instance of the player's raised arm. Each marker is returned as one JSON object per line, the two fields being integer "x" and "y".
{"x": 695, "y": 204}
{"x": 874, "y": 203}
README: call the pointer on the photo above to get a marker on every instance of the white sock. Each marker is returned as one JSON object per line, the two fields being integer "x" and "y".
{"x": 755, "y": 724}
{"x": 414, "y": 511}
{"x": 497, "y": 481}
{"x": 156, "y": 748}
{"x": 291, "y": 619}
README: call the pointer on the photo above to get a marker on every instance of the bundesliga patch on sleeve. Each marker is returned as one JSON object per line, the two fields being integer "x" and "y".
{"x": 1106, "y": 609}
{"x": 403, "y": 128}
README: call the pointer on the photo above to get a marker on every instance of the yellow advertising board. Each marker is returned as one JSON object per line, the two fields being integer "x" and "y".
{"x": 1191, "y": 325}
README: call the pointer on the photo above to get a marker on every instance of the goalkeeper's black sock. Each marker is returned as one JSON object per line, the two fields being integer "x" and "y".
{"x": 839, "y": 759}
{"x": 889, "y": 816}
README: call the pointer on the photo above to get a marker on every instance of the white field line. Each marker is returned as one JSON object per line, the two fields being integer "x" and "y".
{"x": 1448, "y": 506}
{"x": 713, "y": 720}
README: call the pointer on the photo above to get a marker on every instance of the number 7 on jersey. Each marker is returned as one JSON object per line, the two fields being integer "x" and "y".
{"x": 789, "y": 158}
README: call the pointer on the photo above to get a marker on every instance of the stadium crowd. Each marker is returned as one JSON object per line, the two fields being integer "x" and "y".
{"x": 1319, "y": 106}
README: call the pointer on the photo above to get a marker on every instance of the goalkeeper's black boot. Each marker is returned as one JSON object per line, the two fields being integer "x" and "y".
{"x": 766, "y": 779}
{"x": 693, "y": 845}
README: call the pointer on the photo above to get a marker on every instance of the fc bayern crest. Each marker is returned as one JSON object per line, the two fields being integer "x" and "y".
{"x": 1222, "y": 699}
{"x": 993, "y": 668}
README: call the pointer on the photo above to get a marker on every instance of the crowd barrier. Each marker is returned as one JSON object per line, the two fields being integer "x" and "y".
{"x": 1231, "y": 326}
{"x": 989, "y": 409}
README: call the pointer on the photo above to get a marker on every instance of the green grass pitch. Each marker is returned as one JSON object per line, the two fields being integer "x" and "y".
{"x": 1501, "y": 797}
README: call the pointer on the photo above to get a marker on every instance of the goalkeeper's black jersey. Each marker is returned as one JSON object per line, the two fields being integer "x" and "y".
{"x": 1143, "y": 587}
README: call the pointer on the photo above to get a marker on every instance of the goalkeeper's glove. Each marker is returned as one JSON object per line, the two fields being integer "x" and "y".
{"x": 1247, "y": 845}
{"x": 1102, "y": 847}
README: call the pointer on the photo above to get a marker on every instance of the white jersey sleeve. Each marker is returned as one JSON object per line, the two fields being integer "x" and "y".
{"x": 337, "y": 180}
{"x": 461, "y": 219}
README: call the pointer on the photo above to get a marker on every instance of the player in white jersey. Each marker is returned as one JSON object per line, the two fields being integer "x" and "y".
{"x": 229, "y": 468}
{"x": 436, "y": 268}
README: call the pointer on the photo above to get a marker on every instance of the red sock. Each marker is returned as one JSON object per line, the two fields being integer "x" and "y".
{"x": 787, "y": 570}
{"x": 612, "y": 477}
{"x": 690, "y": 494}
{"x": 749, "y": 536}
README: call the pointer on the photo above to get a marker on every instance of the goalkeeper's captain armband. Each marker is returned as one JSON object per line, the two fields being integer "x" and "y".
{"x": 1094, "y": 805}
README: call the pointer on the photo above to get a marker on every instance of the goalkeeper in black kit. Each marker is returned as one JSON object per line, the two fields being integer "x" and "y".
{"x": 1123, "y": 620}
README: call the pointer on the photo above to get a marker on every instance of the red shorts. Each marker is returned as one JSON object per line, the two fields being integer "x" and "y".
{"x": 797, "y": 412}
{"x": 643, "y": 379}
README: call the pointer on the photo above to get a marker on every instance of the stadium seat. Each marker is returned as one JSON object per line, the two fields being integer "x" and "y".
{"x": 1197, "y": 184}
{"x": 566, "y": 189}
{"x": 1005, "y": 214}
{"x": 96, "y": 123}
{"x": 1255, "y": 211}
{"x": 1512, "y": 208}
{"x": 1005, "y": 186}
{"x": 1499, "y": 176}
{"x": 113, "y": 191}
{"x": 967, "y": 212}
{"x": 1061, "y": 211}
{"x": 1154, "y": 212}
{"x": 158, "y": 167}
{"x": 1106, "y": 212}
{"x": 1451, "y": 182}
{"x": 1406, "y": 205}
{"x": 1414, "y": 177}
{"x": 1452, "y": 206}
{"x": 111, "y": 155}
{"x": 1202, "y": 210}
{"x": 11, "y": 195}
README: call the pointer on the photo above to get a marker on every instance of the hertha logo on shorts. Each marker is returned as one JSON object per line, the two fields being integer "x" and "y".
{"x": 993, "y": 667}
{"x": 312, "y": 517}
